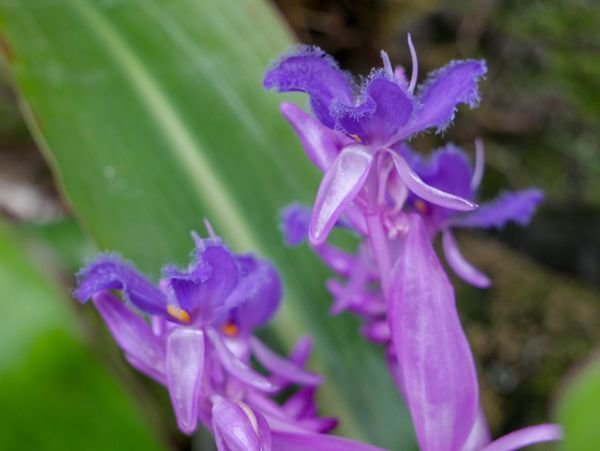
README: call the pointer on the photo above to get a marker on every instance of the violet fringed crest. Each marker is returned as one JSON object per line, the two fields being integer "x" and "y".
{"x": 355, "y": 132}
{"x": 194, "y": 333}
{"x": 397, "y": 202}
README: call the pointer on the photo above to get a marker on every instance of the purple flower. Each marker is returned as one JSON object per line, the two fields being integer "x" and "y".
{"x": 355, "y": 132}
{"x": 193, "y": 333}
{"x": 449, "y": 170}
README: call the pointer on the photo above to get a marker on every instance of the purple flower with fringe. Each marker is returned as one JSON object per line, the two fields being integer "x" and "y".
{"x": 450, "y": 170}
{"x": 193, "y": 333}
{"x": 397, "y": 202}
{"x": 354, "y": 133}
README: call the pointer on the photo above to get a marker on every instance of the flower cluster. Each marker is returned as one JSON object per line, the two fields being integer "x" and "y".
{"x": 397, "y": 202}
{"x": 193, "y": 333}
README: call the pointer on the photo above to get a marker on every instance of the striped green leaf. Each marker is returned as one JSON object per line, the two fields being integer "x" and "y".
{"x": 152, "y": 115}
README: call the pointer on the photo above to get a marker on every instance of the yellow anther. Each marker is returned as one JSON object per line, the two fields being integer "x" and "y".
{"x": 179, "y": 314}
{"x": 230, "y": 329}
{"x": 421, "y": 206}
{"x": 356, "y": 138}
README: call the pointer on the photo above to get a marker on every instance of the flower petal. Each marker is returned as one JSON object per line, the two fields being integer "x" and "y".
{"x": 310, "y": 70}
{"x": 342, "y": 182}
{"x": 257, "y": 295}
{"x": 237, "y": 368}
{"x": 204, "y": 288}
{"x": 435, "y": 361}
{"x": 301, "y": 404}
{"x": 429, "y": 193}
{"x": 321, "y": 144}
{"x": 449, "y": 170}
{"x": 335, "y": 258}
{"x": 239, "y": 428}
{"x": 133, "y": 335}
{"x": 289, "y": 441}
{"x": 294, "y": 222}
{"x": 185, "y": 369}
{"x": 282, "y": 367}
{"x": 453, "y": 84}
{"x": 110, "y": 272}
{"x": 480, "y": 434}
{"x": 463, "y": 269}
{"x": 525, "y": 437}
{"x": 517, "y": 206}
{"x": 385, "y": 107}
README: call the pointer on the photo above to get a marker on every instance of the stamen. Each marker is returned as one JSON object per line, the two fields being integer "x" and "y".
{"x": 415, "y": 65}
{"x": 356, "y": 138}
{"x": 210, "y": 230}
{"x": 421, "y": 206}
{"x": 230, "y": 329}
{"x": 250, "y": 414}
{"x": 479, "y": 164}
{"x": 179, "y": 314}
{"x": 387, "y": 65}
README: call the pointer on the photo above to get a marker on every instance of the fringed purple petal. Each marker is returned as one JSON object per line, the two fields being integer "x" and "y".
{"x": 517, "y": 206}
{"x": 257, "y": 295}
{"x": 342, "y": 182}
{"x": 203, "y": 289}
{"x": 526, "y": 437}
{"x": 185, "y": 370}
{"x": 133, "y": 335}
{"x": 294, "y": 222}
{"x": 385, "y": 107}
{"x": 239, "y": 428}
{"x": 282, "y": 367}
{"x": 310, "y": 70}
{"x": 435, "y": 361}
{"x": 110, "y": 272}
{"x": 317, "y": 442}
{"x": 463, "y": 269}
{"x": 237, "y": 368}
{"x": 453, "y": 84}
{"x": 449, "y": 170}
{"x": 321, "y": 144}
{"x": 427, "y": 192}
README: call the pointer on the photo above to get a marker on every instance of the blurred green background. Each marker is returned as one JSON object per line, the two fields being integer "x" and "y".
{"x": 69, "y": 68}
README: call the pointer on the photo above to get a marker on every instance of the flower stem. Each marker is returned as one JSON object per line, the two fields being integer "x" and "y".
{"x": 377, "y": 235}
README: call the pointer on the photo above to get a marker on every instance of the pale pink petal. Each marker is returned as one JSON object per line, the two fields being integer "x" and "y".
{"x": 185, "y": 369}
{"x": 237, "y": 368}
{"x": 133, "y": 335}
{"x": 463, "y": 269}
{"x": 436, "y": 367}
{"x": 321, "y": 144}
{"x": 281, "y": 366}
{"x": 427, "y": 192}
{"x": 526, "y": 437}
{"x": 341, "y": 183}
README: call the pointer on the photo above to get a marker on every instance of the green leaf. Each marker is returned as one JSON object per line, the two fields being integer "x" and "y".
{"x": 54, "y": 394}
{"x": 153, "y": 116}
{"x": 579, "y": 410}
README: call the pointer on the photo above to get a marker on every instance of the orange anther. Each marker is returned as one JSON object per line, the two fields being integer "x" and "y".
{"x": 179, "y": 314}
{"x": 230, "y": 329}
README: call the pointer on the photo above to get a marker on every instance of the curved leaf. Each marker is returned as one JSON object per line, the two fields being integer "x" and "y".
{"x": 152, "y": 115}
